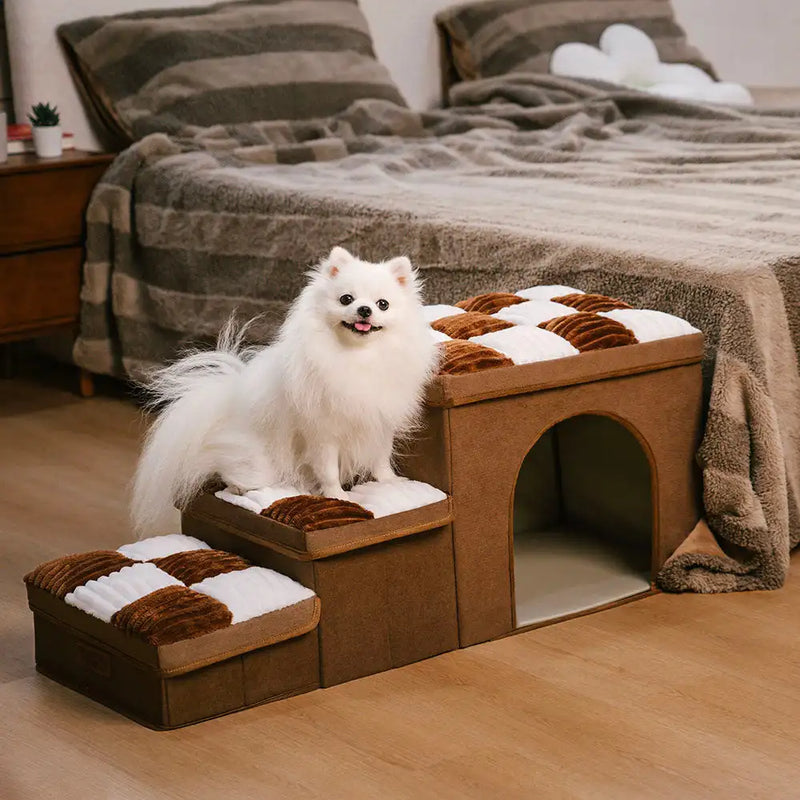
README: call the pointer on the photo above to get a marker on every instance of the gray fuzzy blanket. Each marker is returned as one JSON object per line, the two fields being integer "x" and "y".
{"x": 526, "y": 179}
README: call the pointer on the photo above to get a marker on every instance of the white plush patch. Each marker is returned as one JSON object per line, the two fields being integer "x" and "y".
{"x": 103, "y": 597}
{"x": 383, "y": 498}
{"x": 253, "y": 591}
{"x": 533, "y": 312}
{"x": 434, "y": 312}
{"x": 524, "y": 344}
{"x": 649, "y": 325}
{"x": 241, "y": 500}
{"x": 160, "y": 546}
{"x": 258, "y": 499}
{"x": 438, "y": 336}
{"x": 547, "y": 292}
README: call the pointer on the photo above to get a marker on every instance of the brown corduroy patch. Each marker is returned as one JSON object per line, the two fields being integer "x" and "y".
{"x": 490, "y": 302}
{"x": 472, "y": 323}
{"x": 591, "y": 303}
{"x": 460, "y": 357}
{"x": 586, "y": 331}
{"x": 172, "y": 614}
{"x": 192, "y": 566}
{"x": 311, "y": 513}
{"x": 62, "y": 575}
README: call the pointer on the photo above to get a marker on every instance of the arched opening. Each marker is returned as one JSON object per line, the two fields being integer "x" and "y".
{"x": 583, "y": 520}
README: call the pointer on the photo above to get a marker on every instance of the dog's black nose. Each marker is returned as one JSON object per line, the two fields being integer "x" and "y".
{"x": 364, "y": 312}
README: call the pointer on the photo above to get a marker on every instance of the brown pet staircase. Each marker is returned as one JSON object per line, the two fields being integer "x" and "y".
{"x": 561, "y": 429}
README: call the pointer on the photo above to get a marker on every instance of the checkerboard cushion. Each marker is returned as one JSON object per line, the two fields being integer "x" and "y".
{"x": 540, "y": 323}
{"x": 167, "y": 588}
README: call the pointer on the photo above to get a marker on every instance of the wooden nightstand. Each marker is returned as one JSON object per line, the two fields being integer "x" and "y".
{"x": 42, "y": 205}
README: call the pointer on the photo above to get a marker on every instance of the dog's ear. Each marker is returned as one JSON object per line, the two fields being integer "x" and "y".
{"x": 336, "y": 260}
{"x": 402, "y": 270}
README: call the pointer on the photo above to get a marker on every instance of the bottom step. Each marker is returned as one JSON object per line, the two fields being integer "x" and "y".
{"x": 169, "y": 631}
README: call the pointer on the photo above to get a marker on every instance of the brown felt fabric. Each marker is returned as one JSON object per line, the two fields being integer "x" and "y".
{"x": 386, "y": 606}
{"x": 469, "y": 324}
{"x": 593, "y": 303}
{"x": 459, "y": 357}
{"x": 62, "y": 575}
{"x": 482, "y": 446}
{"x": 172, "y": 614}
{"x": 586, "y": 331}
{"x": 490, "y": 302}
{"x": 193, "y": 566}
{"x": 311, "y": 513}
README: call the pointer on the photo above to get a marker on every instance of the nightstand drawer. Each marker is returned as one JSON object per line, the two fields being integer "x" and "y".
{"x": 39, "y": 289}
{"x": 45, "y": 208}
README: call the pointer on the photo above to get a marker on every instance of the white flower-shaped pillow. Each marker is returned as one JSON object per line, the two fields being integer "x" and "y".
{"x": 628, "y": 56}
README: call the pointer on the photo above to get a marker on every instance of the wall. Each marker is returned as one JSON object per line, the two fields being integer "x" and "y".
{"x": 404, "y": 33}
{"x": 755, "y": 42}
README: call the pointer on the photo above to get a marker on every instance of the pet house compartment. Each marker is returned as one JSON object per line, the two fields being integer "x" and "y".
{"x": 481, "y": 433}
{"x": 582, "y": 520}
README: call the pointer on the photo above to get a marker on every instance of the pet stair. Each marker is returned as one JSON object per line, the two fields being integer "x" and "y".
{"x": 562, "y": 426}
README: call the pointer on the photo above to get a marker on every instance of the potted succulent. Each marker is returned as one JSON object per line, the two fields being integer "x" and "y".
{"x": 46, "y": 127}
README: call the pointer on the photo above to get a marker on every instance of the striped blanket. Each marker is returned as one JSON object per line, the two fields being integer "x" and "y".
{"x": 526, "y": 179}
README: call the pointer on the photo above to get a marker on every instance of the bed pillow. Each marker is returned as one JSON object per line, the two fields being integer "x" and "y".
{"x": 495, "y": 37}
{"x": 225, "y": 64}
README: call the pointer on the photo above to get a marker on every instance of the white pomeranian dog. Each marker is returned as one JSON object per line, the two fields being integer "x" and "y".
{"x": 320, "y": 408}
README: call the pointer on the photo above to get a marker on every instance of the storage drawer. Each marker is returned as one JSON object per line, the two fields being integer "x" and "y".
{"x": 46, "y": 208}
{"x": 39, "y": 289}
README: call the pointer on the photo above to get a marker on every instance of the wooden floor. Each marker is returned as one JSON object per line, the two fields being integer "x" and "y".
{"x": 670, "y": 697}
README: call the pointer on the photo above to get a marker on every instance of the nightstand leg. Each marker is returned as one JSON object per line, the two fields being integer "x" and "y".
{"x": 87, "y": 384}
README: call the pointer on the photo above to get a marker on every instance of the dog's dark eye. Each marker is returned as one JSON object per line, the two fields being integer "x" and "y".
{"x": 346, "y": 299}
{"x": 382, "y": 304}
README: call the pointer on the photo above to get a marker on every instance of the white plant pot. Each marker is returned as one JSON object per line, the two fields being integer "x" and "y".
{"x": 47, "y": 141}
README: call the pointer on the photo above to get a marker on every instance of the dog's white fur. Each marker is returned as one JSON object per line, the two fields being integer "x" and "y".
{"x": 319, "y": 408}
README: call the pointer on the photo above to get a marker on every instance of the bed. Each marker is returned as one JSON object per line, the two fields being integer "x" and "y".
{"x": 524, "y": 179}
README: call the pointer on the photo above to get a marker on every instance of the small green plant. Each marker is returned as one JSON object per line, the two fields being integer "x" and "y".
{"x": 43, "y": 115}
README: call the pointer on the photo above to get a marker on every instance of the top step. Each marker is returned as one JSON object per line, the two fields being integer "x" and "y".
{"x": 499, "y": 344}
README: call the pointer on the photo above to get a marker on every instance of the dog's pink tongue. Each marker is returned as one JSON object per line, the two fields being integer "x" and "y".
{"x": 363, "y": 326}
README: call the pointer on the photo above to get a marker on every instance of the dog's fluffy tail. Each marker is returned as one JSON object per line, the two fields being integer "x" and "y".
{"x": 195, "y": 395}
